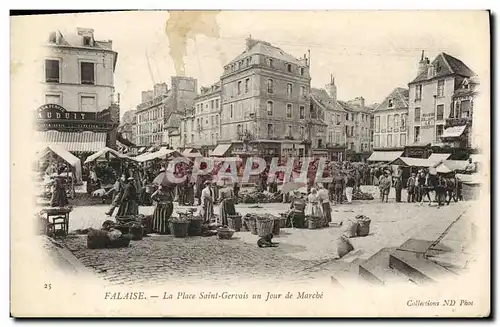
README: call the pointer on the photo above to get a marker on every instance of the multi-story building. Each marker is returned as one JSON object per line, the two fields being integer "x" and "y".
{"x": 264, "y": 97}
{"x": 201, "y": 125}
{"x": 78, "y": 93}
{"x": 358, "y": 128}
{"x": 390, "y": 130}
{"x": 432, "y": 97}
{"x": 127, "y": 127}
{"x": 154, "y": 120}
{"x": 458, "y": 126}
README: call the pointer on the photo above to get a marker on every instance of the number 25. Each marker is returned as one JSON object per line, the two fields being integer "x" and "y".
{"x": 47, "y": 286}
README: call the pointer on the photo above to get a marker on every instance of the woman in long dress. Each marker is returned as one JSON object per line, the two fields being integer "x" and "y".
{"x": 129, "y": 205}
{"x": 59, "y": 197}
{"x": 226, "y": 199}
{"x": 163, "y": 210}
{"x": 207, "y": 202}
{"x": 314, "y": 205}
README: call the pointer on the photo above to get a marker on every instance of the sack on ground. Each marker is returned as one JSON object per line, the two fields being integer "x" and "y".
{"x": 351, "y": 227}
{"x": 344, "y": 246}
{"x": 97, "y": 239}
{"x": 363, "y": 228}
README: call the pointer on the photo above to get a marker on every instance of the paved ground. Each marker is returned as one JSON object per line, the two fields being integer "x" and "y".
{"x": 302, "y": 254}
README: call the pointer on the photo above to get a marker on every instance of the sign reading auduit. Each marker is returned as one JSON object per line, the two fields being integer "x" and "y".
{"x": 56, "y": 112}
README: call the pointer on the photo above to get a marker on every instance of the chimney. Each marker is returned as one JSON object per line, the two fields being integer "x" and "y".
{"x": 160, "y": 88}
{"x": 332, "y": 88}
{"x": 150, "y": 95}
{"x": 250, "y": 42}
{"x": 422, "y": 64}
{"x": 144, "y": 96}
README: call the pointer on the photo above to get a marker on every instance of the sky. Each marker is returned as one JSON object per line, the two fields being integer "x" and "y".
{"x": 370, "y": 53}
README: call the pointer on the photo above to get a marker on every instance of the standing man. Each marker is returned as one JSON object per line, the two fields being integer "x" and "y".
{"x": 349, "y": 187}
{"x": 339, "y": 187}
{"x": 410, "y": 186}
{"x": 324, "y": 198}
{"x": 385, "y": 186}
{"x": 398, "y": 187}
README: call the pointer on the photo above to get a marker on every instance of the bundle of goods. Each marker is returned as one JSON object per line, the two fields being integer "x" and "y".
{"x": 344, "y": 246}
{"x": 133, "y": 225}
{"x": 357, "y": 226}
{"x": 363, "y": 228}
{"x": 107, "y": 238}
{"x": 358, "y": 195}
{"x": 259, "y": 197}
{"x": 209, "y": 229}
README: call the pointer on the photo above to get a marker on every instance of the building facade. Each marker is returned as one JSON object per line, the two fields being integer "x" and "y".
{"x": 154, "y": 119}
{"x": 431, "y": 97}
{"x": 264, "y": 98}
{"x": 390, "y": 117}
{"x": 78, "y": 108}
{"x": 127, "y": 127}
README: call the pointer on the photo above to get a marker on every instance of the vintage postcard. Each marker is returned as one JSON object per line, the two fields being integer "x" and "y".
{"x": 250, "y": 164}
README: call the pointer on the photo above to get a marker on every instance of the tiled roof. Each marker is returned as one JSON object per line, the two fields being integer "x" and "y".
{"x": 448, "y": 65}
{"x": 399, "y": 97}
{"x": 267, "y": 49}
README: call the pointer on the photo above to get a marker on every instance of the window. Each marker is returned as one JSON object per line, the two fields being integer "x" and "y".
{"x": 403, "y": 121}
{"x": 289, "y": 111}
{"x": 416, "y": 134}
{"x": 418, "y": 92}
{"x": 377, "y": 124}
{"x": 302, "y": 132}
{"x": 231, "y": 110}
{"x": 301, "y": 152}
{"x": 216, "y": 119}
{"x": 216, "y": 136}
{"x": 417, "y": 115}
{"x": 289, "y": 90}
{"x": 440, "y": 112}
{"x": 439, "y": 132}
{"x": 390, "y": 122}
{"x": 51, "y": 71}
{"x": 87, "y": 73}
{"x": 390, "y": 103}
{"x": 289, "y": 131}
{"x": 396, "y": 121}
{"x": 271, "y": 63}
{"x": 440, "y": 88}
{"x": 238, "y": 129}
{"x": 270, "y": 131}
{"x": 320, "y": 143}
{"x": 465, "y": 109}
{"x": 302, "y": 91}
{"x": 338, "y": 119}
{"x": 270, "y": 106}
{"x": 270, "y": 86}
{"x": 330, "y": 137}
{"x": 347, "y": 116}
{"x": 302, "y": 112}
{"x": 216, "y": 103}
{"x": 212, "y": 104}
{"x": 352, "y": 130}
{"x": 88, "y": 103}
{"x": 52, "y": 98}
{"x": 87, "y": 41}
{"x": 289, "y": 68}
{"x": 212, "y": 120}
{"x": 302, "y": 71}
{"x": 389, "y": 140}
{"x": 337, "y": 137}
{"x": 239, "y": 87}
{"x": 247, "y": 85}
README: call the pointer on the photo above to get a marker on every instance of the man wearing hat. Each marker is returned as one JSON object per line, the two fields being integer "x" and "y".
{"x": 207, "y": 202}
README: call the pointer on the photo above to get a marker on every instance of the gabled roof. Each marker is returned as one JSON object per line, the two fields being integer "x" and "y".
{"x": 322, "y": 99}
{"x": 399, "y": 97}
{"x": 267, "y": 49}
{"x": 445, "y": 65}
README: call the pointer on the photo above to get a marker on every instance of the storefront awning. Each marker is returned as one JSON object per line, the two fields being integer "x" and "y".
{"x": 454, "y": 131}
{"x": 438, "y": 157}
{"x": 385, "y": 156}
{"x": 74, "y": 141}
{"x": 220, "y": 150}
{"x": 412, "y": 162}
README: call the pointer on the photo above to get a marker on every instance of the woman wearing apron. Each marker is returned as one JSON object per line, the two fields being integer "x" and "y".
{"x": 163, "y": 210}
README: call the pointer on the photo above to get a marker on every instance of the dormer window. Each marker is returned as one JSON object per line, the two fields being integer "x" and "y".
{"x": 53, "y": 37}
{"x": 87, "y": 41}
{"x": 390, "y": 105}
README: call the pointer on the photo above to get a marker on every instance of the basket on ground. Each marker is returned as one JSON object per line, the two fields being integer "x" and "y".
{"x": 363, "y": 227}
{"x": 194, "y": 228}
{"x": 179, "y": 229}
{"x": 276, "y": 226}
{"x": 251, "y": 223}
{"x": 234, "y": 222}
{"x": 225, "y": 233}
{"x": 314, "y": 222}
{"x": 264, "y": 226}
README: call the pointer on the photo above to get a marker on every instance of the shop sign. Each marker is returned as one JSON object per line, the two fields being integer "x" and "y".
{"x": 427, "y": 120}
{"x": 54, "y": 112}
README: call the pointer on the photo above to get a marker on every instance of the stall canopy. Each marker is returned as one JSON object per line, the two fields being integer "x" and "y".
{"x": 412, "y": 162}
{"x": 385, "y": 156}
{"x": 438, "y": 157}
{"x": 454, "y": 131}
{"x": 103, "y": 152}
{"x": 66, "y": 156}
{"x": 220, "y": 150}
{"x": 161, "y": 154}
{"x": 449, "y": 166}
{"x": 74, "y": 141}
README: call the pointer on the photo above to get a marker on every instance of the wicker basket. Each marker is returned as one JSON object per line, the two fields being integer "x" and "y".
{"x": 225, "y": 233}
{"x": 194, "y": 228}
{"x": 234, "y": 222}
{"x": 136, "y": 232}
{"x": 363, "y": 228}
{"x": 283, "y": 220}
{"x": 314, "y": 222}
{"x": 179, "y": 229}
{"x": 276, "y": 226}
{"x": 252, "y": 224}
{"x": 264, "y": 227}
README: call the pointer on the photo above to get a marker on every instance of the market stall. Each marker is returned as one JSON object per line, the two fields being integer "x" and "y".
{"x": 105, "y": 153}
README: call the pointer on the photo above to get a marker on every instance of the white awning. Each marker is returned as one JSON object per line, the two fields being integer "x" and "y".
{"x": 412, "y": 162}
{"x": 161, "y": 154}
{"x": 454, "y": 131}
{"x": 452, "y": 165}
{"x": 103, "y": 152}
{"x": 385, "y": 156}
{"x": 74, "y": 141}
{"x": 67, "y": 157}
{"x": 438, "y": 157}
{"x": 220, "y": 150}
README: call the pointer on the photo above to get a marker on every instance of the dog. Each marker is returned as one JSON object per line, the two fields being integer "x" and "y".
{"x": 267, "y": 241}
